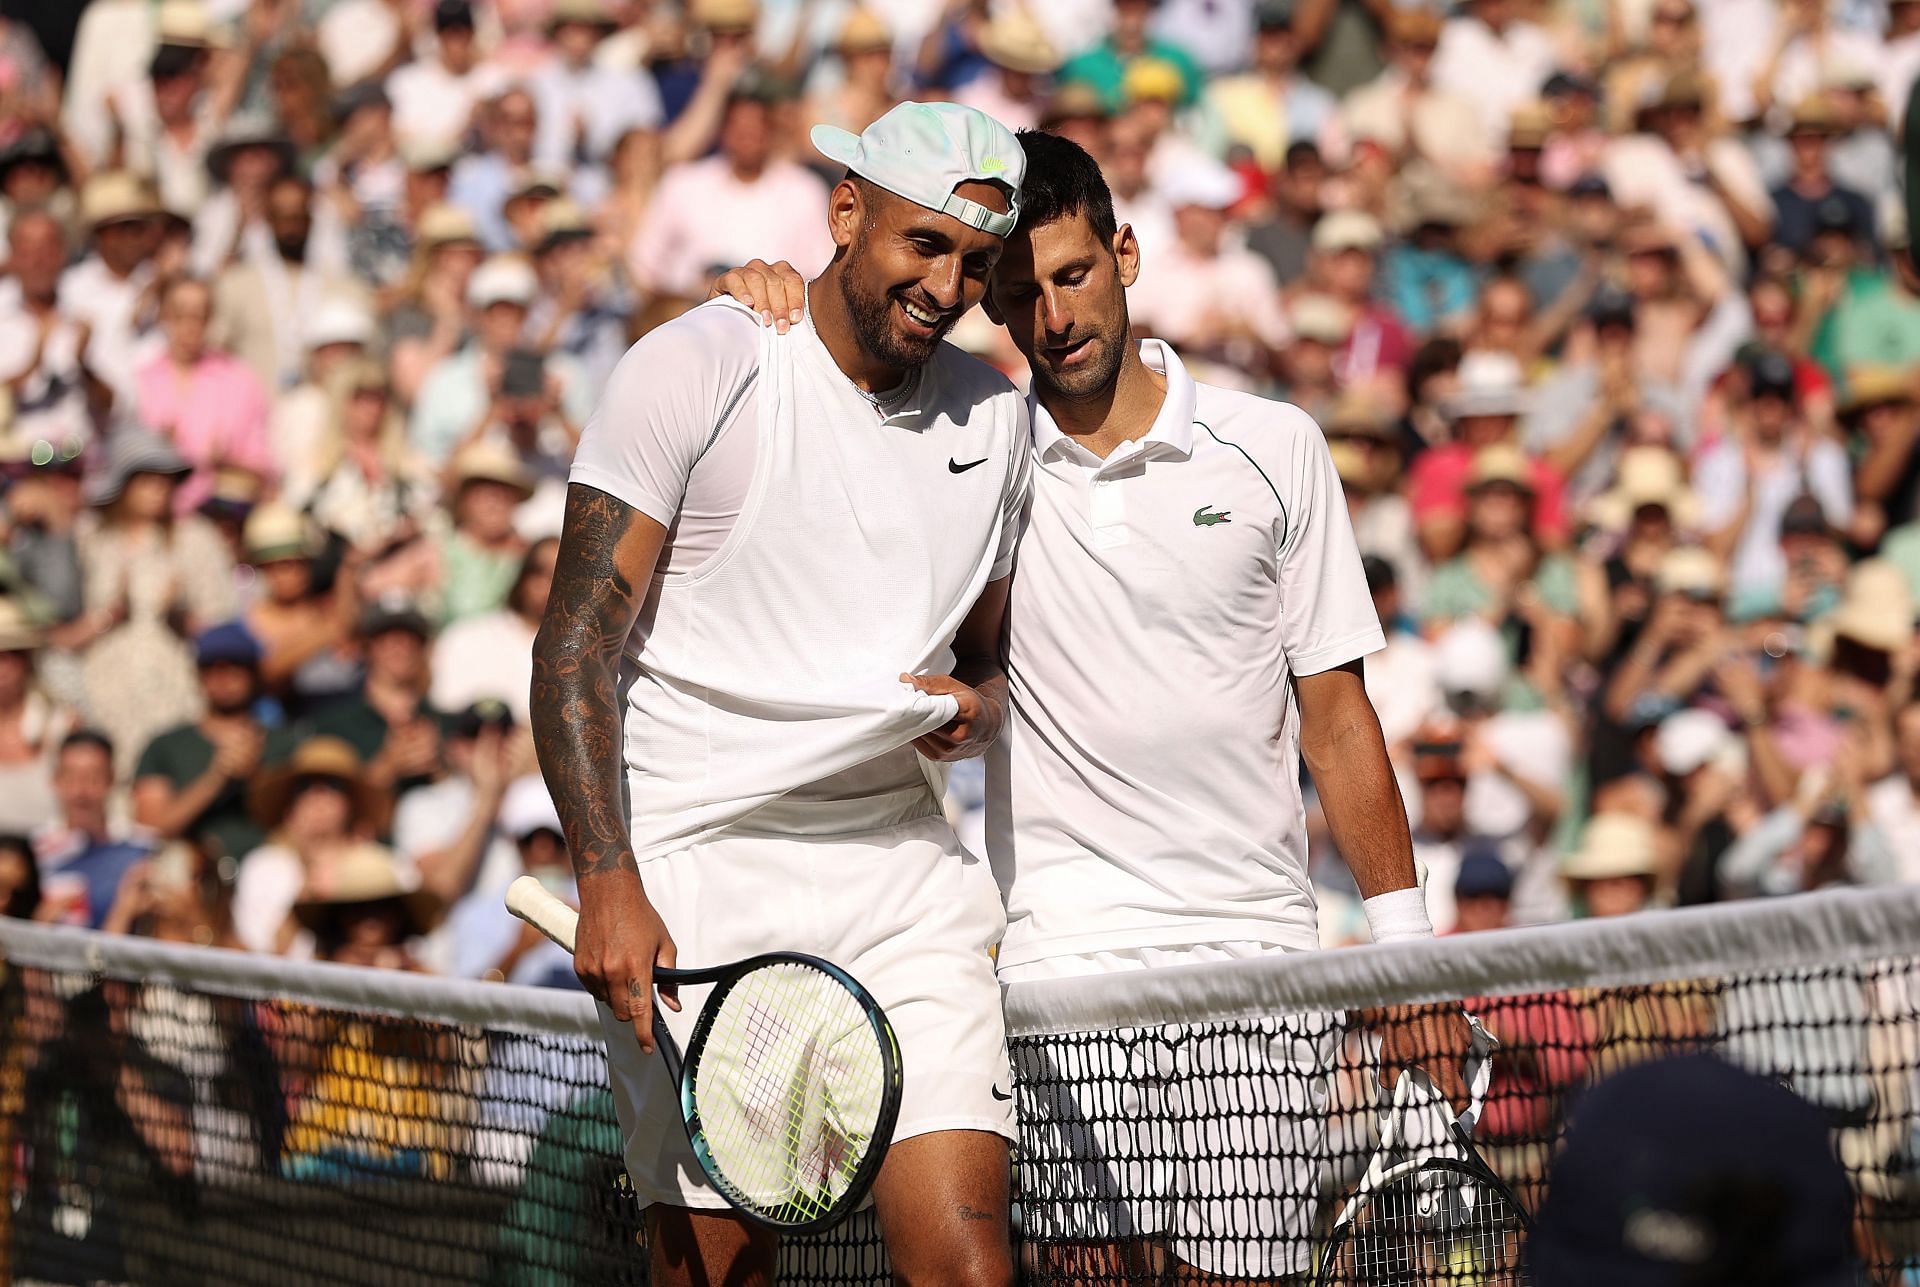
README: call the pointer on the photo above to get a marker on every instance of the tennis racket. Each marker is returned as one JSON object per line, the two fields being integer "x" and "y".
{"x": 789, "y": 1085}
{"x": 1428, "y": 1220}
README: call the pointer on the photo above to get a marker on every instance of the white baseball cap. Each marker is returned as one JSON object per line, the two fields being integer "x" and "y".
{"x": 526, "y": 808}
{"x": 339, "y": 321}
{"x": 1202, "y": 181}
{"x": 504, "y": 279}
{"x": 923, "y": 151}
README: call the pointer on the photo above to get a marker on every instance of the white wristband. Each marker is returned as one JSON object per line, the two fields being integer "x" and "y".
{"x": 1398, "y": 914}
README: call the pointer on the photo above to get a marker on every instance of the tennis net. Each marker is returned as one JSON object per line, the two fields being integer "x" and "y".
{"x": 179, "y": 1115}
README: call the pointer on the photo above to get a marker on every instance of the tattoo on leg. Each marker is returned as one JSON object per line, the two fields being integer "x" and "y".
{"x": 968, "y": 1213}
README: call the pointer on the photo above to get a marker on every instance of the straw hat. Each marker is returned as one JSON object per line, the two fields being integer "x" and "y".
{"x": 275, "y": 531}
{"x": 863, "y": 31}
{"x": 132, "y": 451}
{"x": 1346, "y": 230}
{"x": 1319, "y": 317}
{"x": 1874, "y": 386}
{"x": 503, "y": 279}
{"x": 1501, "y": 463}
{"x": 587, "y": 13}
{"x": 443, "y": 225}
{"x": 488, "y": 461}
{"x": 18, "y": 633}
{"x": 1692, "y": 571}
{"x": 184, "y": 23}
{"x": 1357, "y": 415}
{"x": 116, "y": 196}
{"x": 368, "y": 873}
{"x": 1614, "y": 845}
{"x": 1013, "y": 40}
{"x": 245, "y": 130}
{"x": 1645, "y": 476}
{"x": 1489, "y": 384}
{"x": 235, "y": 491}
{"x": 1877, "y": 608}
{"x": 726, "y": 15}
{"x": 1529, "y": 126}
{"x": 562, "y": 221}
{"x": 1814, "y": 115}
{"x": 318, "y": 757}
{"x": 1413, "y": 26}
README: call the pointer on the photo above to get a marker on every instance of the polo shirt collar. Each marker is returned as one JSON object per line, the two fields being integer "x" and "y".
{"x": 1172, "y": 428}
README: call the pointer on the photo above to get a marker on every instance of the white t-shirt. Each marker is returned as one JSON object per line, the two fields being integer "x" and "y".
{"x": 840, "y": 543}
{"x": 433, "y": 105}
{"x": 704, "y": 219}
{"x": 490, "y": 655}
{"x": 1146, "y": 791}
{"x": 1720, "y": 480}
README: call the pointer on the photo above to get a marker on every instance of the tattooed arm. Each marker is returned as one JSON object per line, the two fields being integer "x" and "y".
{"x": 606, "y": 560}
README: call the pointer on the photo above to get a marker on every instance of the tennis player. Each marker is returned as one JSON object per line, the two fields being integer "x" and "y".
{"x": 778, "y": 603}
{"x": 1189, "y": 616}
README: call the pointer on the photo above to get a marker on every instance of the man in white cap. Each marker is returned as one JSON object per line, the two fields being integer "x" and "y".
{"x": 777, "y": 606}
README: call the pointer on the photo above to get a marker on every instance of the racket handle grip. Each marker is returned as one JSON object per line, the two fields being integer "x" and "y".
{"x": 528, "y": 899}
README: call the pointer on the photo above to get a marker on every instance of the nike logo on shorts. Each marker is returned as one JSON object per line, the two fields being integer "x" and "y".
{"x": 1000, "y": 1094}
{"x": 955, "y": 467}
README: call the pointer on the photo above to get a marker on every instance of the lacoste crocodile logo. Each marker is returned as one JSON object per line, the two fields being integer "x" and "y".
{"x": 1204, "y": 517}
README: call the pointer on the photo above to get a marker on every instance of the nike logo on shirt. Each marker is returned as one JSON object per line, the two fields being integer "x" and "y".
{"x": 955, "y": 467}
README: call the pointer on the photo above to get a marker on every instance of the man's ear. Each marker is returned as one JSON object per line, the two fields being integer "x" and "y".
{"x": 1126, "y": 254}
{"x": 846, "y": 207}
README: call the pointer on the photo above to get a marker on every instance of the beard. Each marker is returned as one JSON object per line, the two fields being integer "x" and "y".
{"x": 872, "y": 312}
{"x": 1092, "y": 377}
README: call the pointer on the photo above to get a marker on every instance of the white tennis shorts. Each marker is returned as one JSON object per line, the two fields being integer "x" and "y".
{"x": 1210, "y": 1138}
{"x": 901, "y": 909}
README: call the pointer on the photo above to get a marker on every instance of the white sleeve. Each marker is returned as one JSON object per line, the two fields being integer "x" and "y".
{"x": 665, "y": 402}
{"x": 1013, "y": 505}
{"x": 1720, "y": 480}
{"x": 1326, "y": 614}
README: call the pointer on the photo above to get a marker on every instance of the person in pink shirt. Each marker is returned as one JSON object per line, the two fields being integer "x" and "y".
{"x": 204, "y": 400}
{"x": 1485, "y": 410}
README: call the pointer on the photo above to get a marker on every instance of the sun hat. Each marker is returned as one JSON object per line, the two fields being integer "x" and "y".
{"x": 1876, "y": 609}
{"x": 488, "y": 461}
{"x": 1346, "y": 230}
{"x": 276, "y": 531}
{"x": 1645, "y": 476}
{"x": 338, "y": 321}
{"x": 1661, "y": 1174}
{"x": 1500, "y": 463}
{"x": 1320, "y": 317}
{"x": 1613, "y": 845}
{"x": 116, "y": 196}
{"x": 1470, "y": 657}
{"x": 503, "y": 279}
{"x": 862, "y": 31}
{"x": 1488, "y": 384}
{"x": 1874, "y": 386}
{"x": 1356, "y": 414}
{"x": 585, "y": 13}
{"x": 332, "y": 758}
{"x": 1013, "y": 40}
{"x": 132, "y": 451}
{"x": 923, "y": 151}
{"x": 1691, "y": 571}
{"x": 443, "y": 225}
{"x": 368, "y": 873}
{"x": 18, "y": 633}
{"x": 244, "y": 130}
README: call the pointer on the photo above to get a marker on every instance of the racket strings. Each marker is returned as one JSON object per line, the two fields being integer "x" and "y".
{"x": 1434, "y": 1228}
{"x": 789, "y": 1086}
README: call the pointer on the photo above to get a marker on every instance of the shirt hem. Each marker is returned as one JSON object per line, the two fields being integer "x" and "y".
{"x": 622, "y": 491}
{"x": 1185, "y": 932}
{"x": 1338, "y": 653}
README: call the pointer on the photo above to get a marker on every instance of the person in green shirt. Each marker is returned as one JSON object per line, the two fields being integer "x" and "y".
{"x": 480, "y": 557}
{"x": 389, "y": 722}
{"x": 1500, "y": 562}
{"x": 191, "y": 781}
{"x": 1105, "y": 66}
{"x": 1874, "y": 316}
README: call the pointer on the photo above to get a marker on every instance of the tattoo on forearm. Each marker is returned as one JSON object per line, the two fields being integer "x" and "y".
{"x": 576, "y": 664}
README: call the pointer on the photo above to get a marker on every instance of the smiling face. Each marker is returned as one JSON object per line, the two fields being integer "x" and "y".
{"x": 1060, "y": 291}
{"x": 909, "y": 273}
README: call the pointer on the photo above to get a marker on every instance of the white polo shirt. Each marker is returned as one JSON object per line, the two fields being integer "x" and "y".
{"x": 1146, "y": 791}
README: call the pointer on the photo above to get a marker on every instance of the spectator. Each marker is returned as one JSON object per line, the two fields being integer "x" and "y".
{"x": 480, "y": 557}
{"x": 1023, "y": 57}
{"x": 19, "y": 879}
{"x": 445, "y": 832}
{"x": 1878, "y": 416}
{"x": 482, "y": 183}
{"x": 489, "y": 656}
{"x": 1493, "y": 58}
{"x": 1500, "y": 571}
{"x": 864, "y": 45}
{"x": 41, "y": 518}
{"x": 1378, "y": 347}
{"x": 203, "y": 400}
{"x": 31, "y": 725}
{"x": 1272, "y": 104}
{"x": 301, "y": 425}
{"x": 493, "y": 942}
{"x": 84, "y": 854}
{"x": 191, "y": 781}
{"x": 316, "y": 811}
{"x": 365, "y": 911}
{"x": 582, "y": 311}
{"x": 1366, "y": 454}
{"x": 741, "y": 202}
{"x": 1483, "y": 411}
{"x": 301, "y": 629}
{"x": 42, "y": 349}
{"x": 390, "y": 723}
{"x": 154, "y": 576}
{"x": 265, "y": 303}
{"x": 584, "y": 107}
{"x": 429, "y": 320}
{"x": 107, "y": 292}
{"x": 1400, "y": 677}
{"x": 1482, "y": 894}
{"x": 434, "y": 99}
{"x": 369, "y": 490}
{"x": 1130, "y": 42}
{"x": 1615, "y": 870}
{"x": 1809, "y": 183}
{"x": 1402, "y": 110}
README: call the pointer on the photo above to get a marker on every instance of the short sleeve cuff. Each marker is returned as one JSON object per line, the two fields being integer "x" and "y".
{"x": 1338, "y": 653}
{"x": 626, "y": 492}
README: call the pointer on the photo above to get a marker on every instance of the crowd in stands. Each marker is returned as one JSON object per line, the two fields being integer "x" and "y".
{"x": 1605, "y": 307}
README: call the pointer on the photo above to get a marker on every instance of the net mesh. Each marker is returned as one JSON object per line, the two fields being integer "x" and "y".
{"x": 174, "y": 1115}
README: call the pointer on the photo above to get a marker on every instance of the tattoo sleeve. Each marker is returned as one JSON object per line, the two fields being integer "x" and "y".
{"x": 597, "y": 591}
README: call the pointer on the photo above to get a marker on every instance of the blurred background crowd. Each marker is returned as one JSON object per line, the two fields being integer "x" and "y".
{"x": 1604, "y": 306}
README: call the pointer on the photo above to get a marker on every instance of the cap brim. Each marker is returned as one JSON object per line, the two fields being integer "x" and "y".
{"x": 837, "y": 145}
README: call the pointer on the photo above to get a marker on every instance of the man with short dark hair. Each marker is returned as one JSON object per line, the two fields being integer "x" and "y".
{"x": 84, "y": 855}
